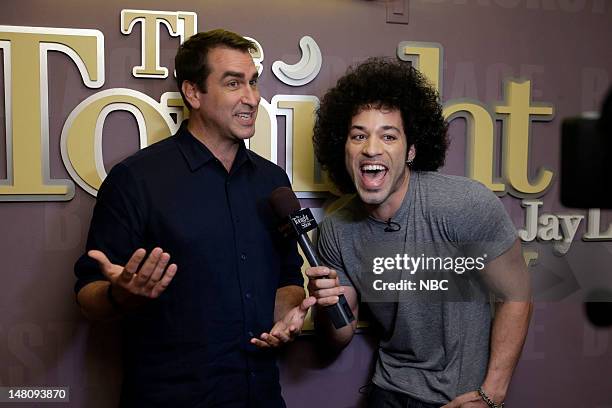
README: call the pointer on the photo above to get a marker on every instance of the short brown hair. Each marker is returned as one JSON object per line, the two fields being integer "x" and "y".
{"x": 191, "y": 62}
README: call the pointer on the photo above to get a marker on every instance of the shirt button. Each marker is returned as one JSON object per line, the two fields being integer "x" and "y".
{"x": 243, "y": 257}
{"x": 252, "y": 373}
{"x": 247, "y": 295}
{"x": 251, "y": 334}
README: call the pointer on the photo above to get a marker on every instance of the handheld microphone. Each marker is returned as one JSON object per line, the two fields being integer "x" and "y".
{"x": 298, "y": 222}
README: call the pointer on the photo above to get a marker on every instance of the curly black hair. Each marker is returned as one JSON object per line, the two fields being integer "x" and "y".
{"x": 380, "y": 83}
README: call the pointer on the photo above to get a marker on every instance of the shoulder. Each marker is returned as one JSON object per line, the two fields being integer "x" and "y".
{"x": 449, "y": 192}
{"x": 152, "y": 155}
{"x": 144, "y": 164}
{"x": 438, "y": 183}
{"x": 268, "y": 170}
{"x": 265, "y": 165}
{"x": 344, "y": 213}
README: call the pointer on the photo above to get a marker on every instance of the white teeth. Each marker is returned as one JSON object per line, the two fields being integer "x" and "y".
{"x": 373, "y": 167}
{"x": 244, "y": 115}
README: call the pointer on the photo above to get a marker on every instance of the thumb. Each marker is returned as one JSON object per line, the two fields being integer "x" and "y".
{"x": 101, "y": 258}
{"x": 307, "y": 303}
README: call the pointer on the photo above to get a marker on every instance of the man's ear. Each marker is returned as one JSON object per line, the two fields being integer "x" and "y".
{"x": 411, "y": 154}
{"x": 192, "y": 93}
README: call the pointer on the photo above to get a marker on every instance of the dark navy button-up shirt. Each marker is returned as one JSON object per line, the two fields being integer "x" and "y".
{"x": 190, "y": 347}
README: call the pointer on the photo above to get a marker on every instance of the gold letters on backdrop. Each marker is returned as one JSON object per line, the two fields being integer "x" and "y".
{"x": 27, "y": 108}
{"x": 25, "y": 55}
{"x": 516, "y": 112}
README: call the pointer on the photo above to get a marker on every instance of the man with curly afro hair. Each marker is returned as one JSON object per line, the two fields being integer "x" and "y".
{"x": 380, "y": 134}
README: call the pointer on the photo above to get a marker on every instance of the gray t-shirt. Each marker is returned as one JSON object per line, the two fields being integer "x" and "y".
{"x": 430, "y": 348}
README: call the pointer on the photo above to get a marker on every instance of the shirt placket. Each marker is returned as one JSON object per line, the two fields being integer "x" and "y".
{"x": 234, "y": 188}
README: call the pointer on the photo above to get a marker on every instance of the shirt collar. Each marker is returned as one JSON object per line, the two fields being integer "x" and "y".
{"x": 196, "y": 154}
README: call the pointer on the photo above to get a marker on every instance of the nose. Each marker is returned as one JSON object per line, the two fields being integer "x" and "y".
{"x": 250, "y": 96}
{"x": 372, "y": 147}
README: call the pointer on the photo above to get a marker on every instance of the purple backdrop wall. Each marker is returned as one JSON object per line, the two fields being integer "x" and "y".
{"x": 563, "y": 46}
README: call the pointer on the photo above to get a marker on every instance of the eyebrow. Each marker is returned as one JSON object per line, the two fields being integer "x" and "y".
{"x": 232, "y": 74}
{"x": 385, "y": 127}
{"x": 389, "y": 127}
{"x": 235, "y": 74}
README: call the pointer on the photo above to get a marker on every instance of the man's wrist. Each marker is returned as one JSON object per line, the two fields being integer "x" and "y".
{"x": 122, "y": 300}
{"x": 110, "y": 296}
{"x": 493, "y": 396}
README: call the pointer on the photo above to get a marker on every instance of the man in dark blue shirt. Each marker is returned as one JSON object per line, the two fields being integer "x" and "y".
{"x": 197, "y": 331}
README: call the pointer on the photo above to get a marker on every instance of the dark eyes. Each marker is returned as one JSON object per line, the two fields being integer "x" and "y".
{"x": 234, "y": 84}
{"x": 385, "y": 137}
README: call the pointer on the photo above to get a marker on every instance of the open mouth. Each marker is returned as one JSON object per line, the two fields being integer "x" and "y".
{"x": 373, "y": 175}
{"x": 246, "y": 118}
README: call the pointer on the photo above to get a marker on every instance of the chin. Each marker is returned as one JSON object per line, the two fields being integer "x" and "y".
{"x": 244, "y": 135}
{"x": 372, "y": 197}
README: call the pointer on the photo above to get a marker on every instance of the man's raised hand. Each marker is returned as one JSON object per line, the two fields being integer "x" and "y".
{"x": 146, "y": 279}
{"x": 287, "y": 328}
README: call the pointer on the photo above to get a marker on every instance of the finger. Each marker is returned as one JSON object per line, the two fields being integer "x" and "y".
{"x": 318, "y": 272}
{"x": 328, "y": 301}
{"x": 271, "y": 340}
{"x": 165, "y": 281}
{"x": 129, "y": 270}
{"x": 282, "y": 335}
{"x": 323, "y": 293}
{"x": 468, "y": 397}
{"x": 462, "y": 399}
{"x": 159, "y": 269}
{"x": 307, "y": 304}
{"x": 323, "y": 283}
{"x": 480, "y": 404}
{"x": 102, "y": 260}
{"x": 259, "y": 343}
{"x": 147, "y": 268}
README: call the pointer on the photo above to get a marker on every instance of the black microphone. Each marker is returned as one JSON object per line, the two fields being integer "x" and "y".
{"x": 298, "y": 222}
{"x": 392, "y": 226}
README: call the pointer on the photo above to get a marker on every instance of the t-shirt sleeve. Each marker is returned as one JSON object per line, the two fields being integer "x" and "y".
{"x": 291, "y": 261}
{"x": 486, "y": 227}
{"x": 328, "y": 247}
{"x": 116, "y": 225}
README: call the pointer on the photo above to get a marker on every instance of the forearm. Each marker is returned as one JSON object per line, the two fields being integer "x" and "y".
{"x": 507, "y": 338}
{"x": 337, "y": 338}
{"x": 94, "y": 302}
{"x": 287, "y": 298}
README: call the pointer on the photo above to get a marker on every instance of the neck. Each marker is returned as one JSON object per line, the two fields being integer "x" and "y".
{"x": 388, "y": 208}
{"x": 222, "y": 148}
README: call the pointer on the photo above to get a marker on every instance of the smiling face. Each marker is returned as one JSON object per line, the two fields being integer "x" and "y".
{"x": 228, "y": 109}
{"x": 376, "y": 151}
